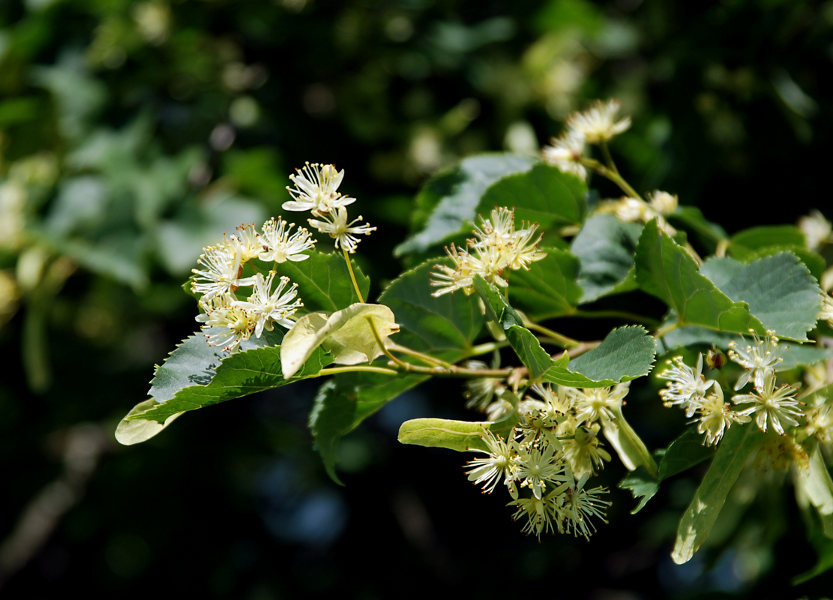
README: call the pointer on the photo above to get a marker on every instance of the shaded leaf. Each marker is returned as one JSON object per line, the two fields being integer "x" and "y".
{"x": 625, "y": 354}
{"x": 548, "y": 289}
{"x": 665, "y": 270}
{"x": 779, "y": 290}
{"x": 324, "y": 282}
{"x": 523, "y": 341}
{"x": 543, "y": 195}
{"x": 449, "y": 200}
{"x": 605, "y": 247}
{"x": 737, "y": 446}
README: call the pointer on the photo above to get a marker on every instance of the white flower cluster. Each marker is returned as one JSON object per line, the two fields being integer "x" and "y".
{"x": 552, "y": 452}
{"x": 596, "y": 125}
{"x": 703, "y": 398}
{"x": 229, "y": 316}
{"x": 316, "y": 190}
{"x": 497, "y": 246}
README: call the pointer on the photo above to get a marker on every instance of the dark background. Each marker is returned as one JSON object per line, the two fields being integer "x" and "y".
{"x": 134, "y": 133}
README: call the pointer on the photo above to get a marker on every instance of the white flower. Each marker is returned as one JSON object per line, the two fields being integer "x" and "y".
{"x": 460, "y": 276}
{"x": 267, "y": 306}
{"x": 227, "y": 321}
{"x": 817, "y": 230}
{"x": 279, "y": 246}
{"x": 565, "y": 153}
{"x": 220, "y": 272}
{"x": 577, "y": 506}
{"x": 632, "y": 210}
{"x": 716, "y": 416}
{"x": 758, "y": 360}
{"x": 594, "y": 404}
{"x": 686, "y": 386}
{"x": 541, "y": 513}
{"x": 501, "y": 462}
{"x": 246, "y": 241}
{"x": 663, "y": 202}
{"x": 583, "y": 451}
{"x": 539, "y": 466}
{"x": 820, "y": 421}
{"x": 771, "y": 405}
{"x": 316, "y": 190}
{"x": 598, "y": 123}
{"x": 336, "y": 226}
{"x": 826, "y": 312}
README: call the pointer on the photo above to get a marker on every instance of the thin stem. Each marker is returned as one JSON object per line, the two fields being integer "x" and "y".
{"x": 667, "y": 329}
{"x": 608, "y": 158}
{"x": 354, "y": 369}
{"x": 423, "y": 357}
{"x": 557, "y": 338}
{"x": 486, "y": 347}
{"x": 352, "y": 275}
{"x": 612, "y": 175}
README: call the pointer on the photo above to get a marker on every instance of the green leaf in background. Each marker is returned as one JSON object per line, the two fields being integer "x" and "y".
{"x": 744, "y": 244}
{"x": 813, "y": 482}
{"x": 548, "y": 289}
{"x": 736, "y": 448}
{"x": 324, "y": 281}
{"x": 445, "y": 326}
{"x": 543, "y": 195}
{"x": 605, "y": 247}
{"x": 522, "y": 340}
{"x": 449, "y": 200}
{"x": 625, "y": 354}
{"x": 665, "y": 270}
{"x": 779, "y": 290}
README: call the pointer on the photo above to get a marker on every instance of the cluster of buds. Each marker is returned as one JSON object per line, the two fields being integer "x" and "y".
{"x": 552, "y": 452}
{"x": 703, "y": 399}
{"x": 497, "y": 246}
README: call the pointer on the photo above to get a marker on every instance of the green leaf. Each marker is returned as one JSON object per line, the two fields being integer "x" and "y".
{"x": 779, "y": 290}
{"x": 346, "y": 334}
{"x": 665, "y": 270}
{"x": 628, "y": 445}
{"x": 691, "y": 219}
{"x": 737, "y": 446}
{"x": 548, "y": 289}
{"x": 190, "y": 379}
{"x": 134, "y": 428}
{"x": 543, "y": 195}
{"x": 814, "y": 482}
{"x": 744, "y": 244}
{"x": 683, "y": 453}
{"x": 346, "y": 400}
{"x": 523, "y": 341}
{"x": 460, "y": 436}
{"x": 324, "y": 282}
{"x": 625, "y": 354}
{"x": 445, "y": 326}
{"x": 605, "y": 247}
{"x": 642, "y": 485}
{"x": 449, "y": 200}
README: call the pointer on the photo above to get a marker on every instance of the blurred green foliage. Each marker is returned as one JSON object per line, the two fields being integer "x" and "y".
{"x": 134, "y": 133}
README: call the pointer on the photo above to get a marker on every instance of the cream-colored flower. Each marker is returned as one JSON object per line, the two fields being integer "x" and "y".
{"x": 316, "y": 190}
{"x": 759, "y": 359}
{"x": 577, "y": 506}
{"x": 226, "y": 322}
{"x": 501, "y": 462}
{"x": 817, "y": 230}
{"x": 335, "y": 225}
{"x": 771, "y": 405}
{"x": 686, "y": 386}
{"x": 716, "y": 416}
{"x": 663, "y": 202}
{"x": 246, "y": 242}
{"x": 219, "y": 275}
{"x": 541, "y": 514}
{"x": 565, "y": 153}
{"x": 279, "y": 246}
{"x": 598, "y": 123}
{"x": 598, "y": 404}
{"x": 267, "y": 306}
